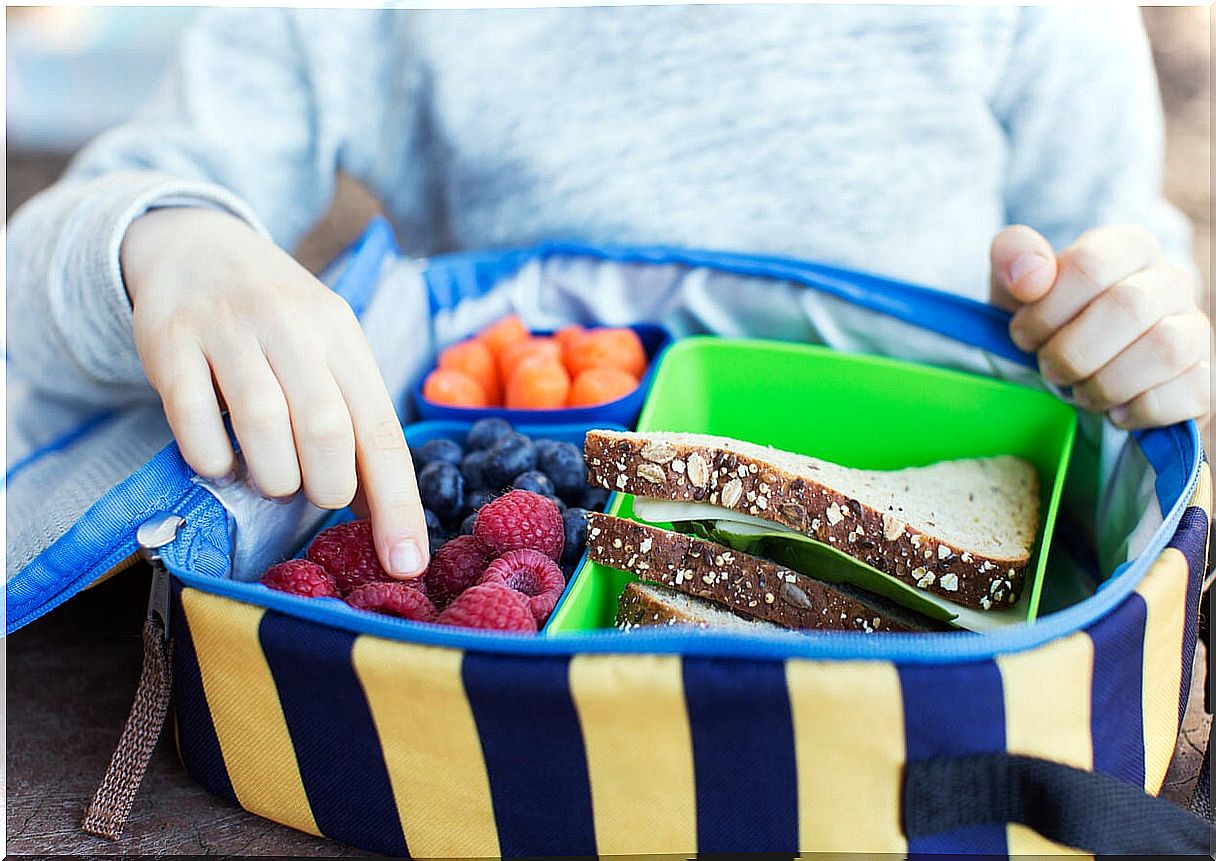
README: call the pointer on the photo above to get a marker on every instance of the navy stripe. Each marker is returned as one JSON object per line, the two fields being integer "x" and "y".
{"x": 339, "y": 753}
{"x": 743, "y": 756}
{"x": 954, "y": 711}
{"x": 534, "y": 755}
{"x": 1192, "y": 540}
{"x": 197, "y": 743}
{"x": 1116, "y": 710}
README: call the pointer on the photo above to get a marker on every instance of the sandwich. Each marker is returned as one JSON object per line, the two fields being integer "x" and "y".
{"x": 946, "y": 544}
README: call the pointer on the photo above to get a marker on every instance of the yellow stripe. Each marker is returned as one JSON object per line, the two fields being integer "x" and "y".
{"x": 849, "y": 740}
{"x": 245, "y": 709}
{"x": 1025, "y": 843}
{"x": 1047, "y": 701}
{"x": 1164, "y": 591}
{"x": 639, "y": 752}
{"x": 431, "y": 747}
{"x": 1047, "y": 714}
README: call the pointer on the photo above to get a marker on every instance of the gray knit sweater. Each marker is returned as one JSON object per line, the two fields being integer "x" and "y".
{"x": 894, "y": 139}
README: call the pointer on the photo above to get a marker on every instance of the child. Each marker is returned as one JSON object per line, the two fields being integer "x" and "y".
{"x": 901, "y": 140}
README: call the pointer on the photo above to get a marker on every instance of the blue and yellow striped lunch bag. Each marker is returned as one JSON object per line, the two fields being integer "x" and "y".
{"x": 412, "y": 739}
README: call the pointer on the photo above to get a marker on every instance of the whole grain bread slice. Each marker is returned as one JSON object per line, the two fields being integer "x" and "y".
{"x": 963, "y": 529}
{"x": 748, "y": 585}
{"x": 643, "y": 604}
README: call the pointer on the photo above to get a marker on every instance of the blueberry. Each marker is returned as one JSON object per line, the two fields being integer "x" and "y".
{"x": 574, "y": 521}
{"x": 473, "y": 467}
{"x": 445, "y": 450}
{"x": 434, "y": 544}
{"x": 433, "y": 526}
{"x": 537, "y": 482}
{"x": 485, "y": 432}
{"x": 441, "y": 487}
{"x": 475, "y": 499}
{"x": 508, "y": 457}
{"x": 564, "y": 464}
{"x": 466, "y": 525}
{"x": 593, "y": 498}
{"x": 559, "y": 502}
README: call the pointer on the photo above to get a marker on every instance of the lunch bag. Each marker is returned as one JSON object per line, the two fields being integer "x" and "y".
{"x": 413, "y": 739}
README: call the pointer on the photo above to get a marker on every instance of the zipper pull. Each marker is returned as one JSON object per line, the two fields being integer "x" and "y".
{"x": 111, "y": 805}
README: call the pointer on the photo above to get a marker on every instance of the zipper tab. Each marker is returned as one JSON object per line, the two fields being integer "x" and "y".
{"x": 107, "y": 813}
{"x": 152, "y": 535}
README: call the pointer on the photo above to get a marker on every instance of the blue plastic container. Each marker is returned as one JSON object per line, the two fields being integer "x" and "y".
{"x": 422, "y": 432}
{"x": 623, "y": 411}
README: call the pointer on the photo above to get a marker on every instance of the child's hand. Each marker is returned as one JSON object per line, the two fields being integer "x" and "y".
{"x": 224, "y": 317}
{"x": 1111, "y": 318}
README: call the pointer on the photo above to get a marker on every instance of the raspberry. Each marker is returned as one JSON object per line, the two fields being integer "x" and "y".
{"x": 456, "y": 566}
{"x": 532, "y": 574}
{"x": 300, "y": 577}
{"x": 521, "y": 520}
{"x": 347, "y": 553}
{"x": 490, "y": 605}
{"x": 395, "y": 599}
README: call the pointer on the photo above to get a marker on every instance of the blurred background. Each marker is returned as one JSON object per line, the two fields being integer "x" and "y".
{"x": 73, "y": 72}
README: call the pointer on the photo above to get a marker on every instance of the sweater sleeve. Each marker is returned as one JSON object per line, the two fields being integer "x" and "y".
{"x": 1080, "y": 107}
{"x": 238, "y": 125}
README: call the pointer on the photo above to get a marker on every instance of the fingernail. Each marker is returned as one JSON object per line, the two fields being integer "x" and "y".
{"x": 1118, "y": 414}
{"x": 225, "y": 480}
{"x": 1082, "y": 400}
{"x": 405, "y": 558}
{"x": 1025, "y": 265}
{"x": 281, "y": 500}
{"x": 1049, "y": 372}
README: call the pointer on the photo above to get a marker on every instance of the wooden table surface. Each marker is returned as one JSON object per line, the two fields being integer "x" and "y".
{"x": 71, "y": 676}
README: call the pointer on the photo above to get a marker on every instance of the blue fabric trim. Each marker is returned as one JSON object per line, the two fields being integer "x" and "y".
{"x": 532, "y": 743}
{"x": 101, "y": 538}
{"x": 357, "y": 283}
{"x": 59, "y": 443}
{"x": 826, "y": 645}
{"x": 332, "y": 733}
{"x": 747, "y": 783}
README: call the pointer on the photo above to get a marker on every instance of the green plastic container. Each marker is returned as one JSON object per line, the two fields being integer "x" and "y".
{"x": 860, "y": 411}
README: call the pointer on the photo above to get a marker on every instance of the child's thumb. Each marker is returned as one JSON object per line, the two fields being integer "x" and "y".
{"x": 1023, "y": 267}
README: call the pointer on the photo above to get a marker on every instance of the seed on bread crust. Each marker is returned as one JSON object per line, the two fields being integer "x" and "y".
{"x": 732, "y": 492}
{"x": 651, "y": 473}
{"x": 698, "y": 470}
{"x": 658, "y": 452}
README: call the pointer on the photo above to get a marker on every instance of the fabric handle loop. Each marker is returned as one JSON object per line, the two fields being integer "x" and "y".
{"x": 1085, "y": 810}
{"x": 111, "y": 805}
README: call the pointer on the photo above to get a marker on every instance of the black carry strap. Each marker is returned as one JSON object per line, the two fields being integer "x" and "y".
{"x": 1081, "y": 809}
